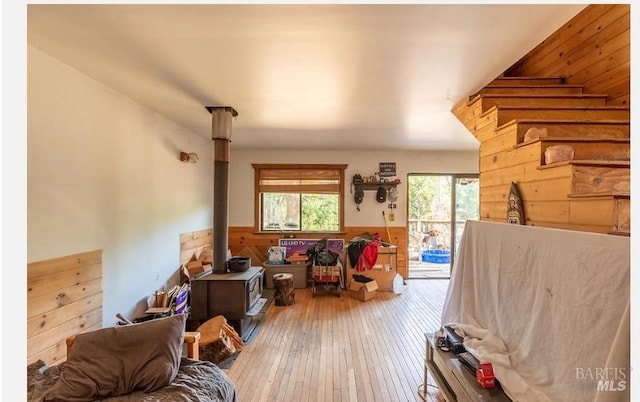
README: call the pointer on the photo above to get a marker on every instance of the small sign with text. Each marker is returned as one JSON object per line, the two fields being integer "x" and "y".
{"x": 387, "y": 169}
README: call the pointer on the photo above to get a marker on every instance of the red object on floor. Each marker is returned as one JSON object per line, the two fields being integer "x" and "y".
{"x": 485, "y": 376}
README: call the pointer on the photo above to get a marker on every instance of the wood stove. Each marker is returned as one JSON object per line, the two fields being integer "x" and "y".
{"x": 235, "y": 295}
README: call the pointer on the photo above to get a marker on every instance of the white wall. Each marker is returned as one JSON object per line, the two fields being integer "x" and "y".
{"x": 363, "y": 162}
{"x": 104, "y": 173}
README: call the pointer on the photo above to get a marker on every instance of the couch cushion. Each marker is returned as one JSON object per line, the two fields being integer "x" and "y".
{"x": 118, "y": 360}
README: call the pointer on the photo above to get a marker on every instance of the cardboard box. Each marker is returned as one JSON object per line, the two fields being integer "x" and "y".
{"x": 363, "y": 291}
{"x": 384, "y": 270}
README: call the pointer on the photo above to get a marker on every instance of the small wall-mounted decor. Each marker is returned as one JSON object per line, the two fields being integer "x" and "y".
{"x": 392, "y": 195}
{"x": 515, "y": 207}
{"x": 190, "y": 157}
{"x": 387, "y": 169}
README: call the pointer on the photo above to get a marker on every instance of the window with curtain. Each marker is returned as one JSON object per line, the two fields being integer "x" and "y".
{"x": 299, "y": 197}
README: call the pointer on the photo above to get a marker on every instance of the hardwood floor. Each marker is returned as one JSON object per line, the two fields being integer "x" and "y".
{"x": 332, "y": 348}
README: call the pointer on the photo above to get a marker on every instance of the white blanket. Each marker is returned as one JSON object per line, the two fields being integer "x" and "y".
{"x": 548, "y": 307}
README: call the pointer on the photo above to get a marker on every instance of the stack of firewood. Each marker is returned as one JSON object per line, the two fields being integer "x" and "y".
{"x": 218, "y": 340}
{"x": 197, "y": 265}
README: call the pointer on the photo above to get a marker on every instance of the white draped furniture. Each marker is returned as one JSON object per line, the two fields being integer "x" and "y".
{"x": 549, "y": 308}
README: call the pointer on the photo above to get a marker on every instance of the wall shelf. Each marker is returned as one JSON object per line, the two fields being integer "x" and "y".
{"x": 374, "y": 186}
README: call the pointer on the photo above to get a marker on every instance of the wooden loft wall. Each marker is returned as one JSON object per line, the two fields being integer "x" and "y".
{"x": 573, "y": 89}
{"x": 591, "y": 50}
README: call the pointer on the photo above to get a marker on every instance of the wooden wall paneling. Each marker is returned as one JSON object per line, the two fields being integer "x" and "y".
{"x": 523, "y": 173}
{"x": 522, "y": 164}
{"x": 604, "y": 149}
{"x": 244, "y": 236}
{"x": 486, "y": 132}
{"x": 572, "y": 226}
{"x": 494, "y": 193}
{"x": 525, "y": 81}
{"x": 56, "y": 353}
{"x": 495, "y": 211}
{"x": 579, "y": 28}
{"x": 48, "y": 301}
{"x": 598, "y": 54}
{"x": 592, "y": 49}
{"x": 620, "y": 100}
{"x": 500, "y": 141}
{"x": 63, "y": 280}
{"x": 488, "y": 118}
{"x": 599, "y": 76}
{"x": 599, "y": 179}
{"x": 556, "y": 212}
{"x": 592, "y": 113}
{"x": 47, "y": 268}
{"x": 595, "y": 211}
{"x": 467, "y": 115}
{"x": 192, "y": 243}
{"x": 529, "y": 100}
{"x": 41, "y": 342}
{"x": 577, "y": 129}
{"x": 619, "y": 94}
{"x": 503, "y": 176}
{"x": 513, "y": 157}
{"x": 547, "y": 211}
{"x": 64, "y": 297}
{"x": 566, "y": 214}
{"x": 476, "y": 108}
{"x": 571, "y": 179}
{"x": 622, "y": 215}
{"x": 541, "y": 190}
{"x": 44, "y": 322}
{"x": 545, "y": 190}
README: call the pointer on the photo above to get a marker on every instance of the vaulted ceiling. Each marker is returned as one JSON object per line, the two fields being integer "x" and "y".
{"x": 319, "y": 76}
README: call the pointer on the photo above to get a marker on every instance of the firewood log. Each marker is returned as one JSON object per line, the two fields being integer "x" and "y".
{"x": 284, "y": 294}
{"x": 238, "y": 343}
{"x": 215, "y": 344}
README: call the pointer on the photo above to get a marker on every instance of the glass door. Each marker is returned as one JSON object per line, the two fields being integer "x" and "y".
{"x": 439, "y": 205}
{"x": 466, "y": 201}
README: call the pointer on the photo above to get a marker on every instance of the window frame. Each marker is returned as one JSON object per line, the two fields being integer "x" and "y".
{"x": 257, "y": 207}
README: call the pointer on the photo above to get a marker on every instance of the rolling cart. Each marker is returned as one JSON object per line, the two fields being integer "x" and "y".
{"x": 326, "y": 278}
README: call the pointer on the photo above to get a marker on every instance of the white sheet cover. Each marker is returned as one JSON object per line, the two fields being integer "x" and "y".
{"x": 548, "y": 307}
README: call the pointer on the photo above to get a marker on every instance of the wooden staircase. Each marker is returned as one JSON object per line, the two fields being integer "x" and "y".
{"x": 591, "y": 192}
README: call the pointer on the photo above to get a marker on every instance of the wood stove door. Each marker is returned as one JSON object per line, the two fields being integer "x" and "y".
{"x": 254, "y": 289}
